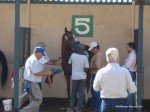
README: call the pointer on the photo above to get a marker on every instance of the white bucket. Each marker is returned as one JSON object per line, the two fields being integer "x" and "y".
{"x": 7, "y": 104}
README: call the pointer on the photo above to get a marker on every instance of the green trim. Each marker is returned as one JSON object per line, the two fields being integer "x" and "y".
{"x": 74, "y": 2}
{"x": 79, "y": 2}
{"x": 12, "y": 1}
{"x": 16, "y": 54}
{"x": 140, "y": 59}
{"x": 24, "y": 45}
{"x": 86, "y": 2}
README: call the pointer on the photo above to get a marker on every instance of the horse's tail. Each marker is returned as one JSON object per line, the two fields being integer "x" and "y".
{"x": 4, "y": 67}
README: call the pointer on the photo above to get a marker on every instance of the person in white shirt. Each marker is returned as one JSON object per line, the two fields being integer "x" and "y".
{"x": 33, "y": 73}
{"x": 131, "y": 61}
{"x": 114, "y": 82}
{"x": 131, "y": 65}
{"x": 80, "y": 64}
{"x": 45, "y": 60}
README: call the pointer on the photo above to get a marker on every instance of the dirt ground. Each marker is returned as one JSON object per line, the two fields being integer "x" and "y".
{"x": 60, "y": 105}
{"x": 51, "y": 105}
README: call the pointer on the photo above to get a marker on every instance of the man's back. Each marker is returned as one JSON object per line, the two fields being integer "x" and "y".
{"x": 79, "y": 62}
{"x": 114, "y": 81}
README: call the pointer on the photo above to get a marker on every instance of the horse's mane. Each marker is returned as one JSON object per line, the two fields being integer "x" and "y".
{"x": 4, "y": 72}
{"x": 66, "y": 52}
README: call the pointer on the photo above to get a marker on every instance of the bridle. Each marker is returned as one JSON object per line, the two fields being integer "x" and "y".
{"x": 69, "y": 40}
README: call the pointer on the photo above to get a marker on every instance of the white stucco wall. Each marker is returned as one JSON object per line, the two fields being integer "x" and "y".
{"x": 113, "y": 26}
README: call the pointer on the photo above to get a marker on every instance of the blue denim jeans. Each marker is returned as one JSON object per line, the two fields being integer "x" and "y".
{"x": 131, "y": 96}
{"x": 114, "y": 105}
{"x": 96, "y": 100}
{"x": 133, "y": 75}
{"x": 77, "y": 86}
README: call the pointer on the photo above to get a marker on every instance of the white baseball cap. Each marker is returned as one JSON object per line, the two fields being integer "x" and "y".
{"x": 112, "y": 53}
{"x": 92, "y": 45}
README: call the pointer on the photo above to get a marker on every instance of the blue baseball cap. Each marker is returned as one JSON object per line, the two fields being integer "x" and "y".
{"x": 76, "y": 43}
{"x": 40, "y": 49}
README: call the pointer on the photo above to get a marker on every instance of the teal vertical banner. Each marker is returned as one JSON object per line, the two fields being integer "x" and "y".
{"x": 82, "y": 26}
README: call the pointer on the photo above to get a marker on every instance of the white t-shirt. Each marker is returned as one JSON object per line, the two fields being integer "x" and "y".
{"x": 79, "y": 62}
{"x": 32, "y": 66}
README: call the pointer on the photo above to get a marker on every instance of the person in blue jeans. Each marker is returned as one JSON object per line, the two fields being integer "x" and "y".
{"x": 95, "y": 65}
{"x": 96, "y": 100}
{"x": 131, "y": 65}
{"x": 131, "y": 96}
{"x": 114, "y": 82}
{"x": 33, "y": 73}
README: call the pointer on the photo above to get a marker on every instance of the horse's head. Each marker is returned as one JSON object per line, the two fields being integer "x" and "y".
{"x": 68, "y": 37}
{"x": 69, "y": 44}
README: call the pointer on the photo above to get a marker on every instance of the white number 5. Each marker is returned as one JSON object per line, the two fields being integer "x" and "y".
{"x": 82, "y": 22}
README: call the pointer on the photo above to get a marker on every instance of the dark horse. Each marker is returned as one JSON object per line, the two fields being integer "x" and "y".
{"x": 66, "y": 50}
{"x": 3, "y": 69}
